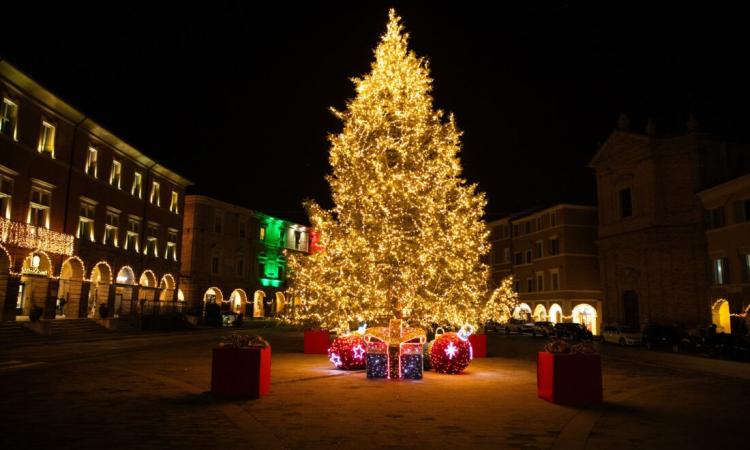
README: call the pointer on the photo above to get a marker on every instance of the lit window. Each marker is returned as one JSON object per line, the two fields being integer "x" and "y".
{"x": 115, "y": 175}
{"x": 720, "y": 271}
{"x": 39, "y": 207}
{"x": 152, "y": 241}
{"x": 746, "y": 265}
{"x": 171, "y": 251}
{"x": 91, "y": 166}
{"x": 154, "y": 197}
{"x": 262, "y": 235}
{"x": 8, "y": 118}
{"x": 6, "y": 195}
{"x": 174, "y": 204}
{"x": 47, "y": 139}
{"x": 86, "y": 216}
{"x": 112, "y": 228}
{"x": 133, "y": 235}
{"x": 137, "y": 189}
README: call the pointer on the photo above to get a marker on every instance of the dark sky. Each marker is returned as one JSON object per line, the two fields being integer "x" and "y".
{"x": 235, "y": 95}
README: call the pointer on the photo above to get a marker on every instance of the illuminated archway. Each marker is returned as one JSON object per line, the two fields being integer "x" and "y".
{"x": 101, "y": 278}
{"x": 238, "y": 299}
{"x": 522, "y": 312}
{"x": 148, "y": 279}
{"x": 258, "y": 297}
{"x": 540, "y": 313}
{"x": 125, "y": 276}
{"x": 5, "y": 265}
{"x": 71, "y": 284}
{"x": 37, "y": 262}
{"x": 555, "y": 313}
{"x": 585, "y": 314}
{"x": 280, "y": 302}
{"x": 720, "y": 316}
{"x": 167, "y": 286}
{"x": 213, "y": 295}
{"x": 180, "y": 295}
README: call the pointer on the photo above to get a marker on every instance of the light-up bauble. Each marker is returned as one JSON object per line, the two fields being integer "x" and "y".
{"x": 348, "y": 352}
{"x": 450, "y": 353}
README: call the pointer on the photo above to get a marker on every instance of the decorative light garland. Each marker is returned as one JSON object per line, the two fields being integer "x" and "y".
{"x": 36, "y": 238}
{"x": 348, "y": 352}
{"x": 450, "y": 353}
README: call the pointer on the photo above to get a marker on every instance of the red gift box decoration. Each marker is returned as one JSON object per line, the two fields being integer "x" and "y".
{"x": 569, "y": 379}
{"x": 478, "y": 345}
{"x": 317, "y": 341}
{"x": 241, "y": 372}
{"x": 395, "y": 351}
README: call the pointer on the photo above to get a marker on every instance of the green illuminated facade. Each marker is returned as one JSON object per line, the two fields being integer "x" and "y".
{"x": 274, "y": 237}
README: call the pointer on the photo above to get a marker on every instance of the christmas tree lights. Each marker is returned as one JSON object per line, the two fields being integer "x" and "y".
{"x": 406, "y": 236}
{"x": 348, "y": 352}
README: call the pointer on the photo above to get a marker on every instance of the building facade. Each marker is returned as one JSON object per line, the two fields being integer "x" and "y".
{"x": 84, "y": 216}
{"x": 552, "y": 256}
{"x": 653, "y": 250}
{"x": 236, "y": 257}
{"x": 727, "y": 209}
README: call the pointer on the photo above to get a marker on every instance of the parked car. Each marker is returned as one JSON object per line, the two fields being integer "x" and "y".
{"x": 493, "y": 327}
{"x": 543, "y": 328}
{"x": 231, "y": 319}
{"x": 621, "y": 335}
{"x": 669, "y": 337}
{"x": 572, "y": 331}
{"x": 518, "y": 326}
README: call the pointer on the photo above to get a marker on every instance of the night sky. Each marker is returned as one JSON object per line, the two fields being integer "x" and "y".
{"x": 235, "y": 96}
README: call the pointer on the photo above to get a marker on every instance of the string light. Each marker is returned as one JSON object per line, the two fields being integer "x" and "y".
{"x": 37, "y": 238}
{"x": 450, "y": 353}
{"x": 406, "y": 236}
{"x": 348, "y": 352}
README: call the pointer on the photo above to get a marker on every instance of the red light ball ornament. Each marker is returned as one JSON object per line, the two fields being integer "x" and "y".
{"x": 451, "y": 353}
{"x": 348, "y": 352}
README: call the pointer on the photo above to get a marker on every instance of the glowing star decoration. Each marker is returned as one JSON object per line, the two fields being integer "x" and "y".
{"x": 449, "y": 353}
{"x": 405, "y": 237}
{"x": 348, "y": 352}
{"x": 451, "y": 350}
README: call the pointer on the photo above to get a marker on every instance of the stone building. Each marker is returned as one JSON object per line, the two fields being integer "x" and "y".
{"x": 236, "y": 257}
{"x": 652, "y": 241}
{"x": 552, "y": 256}
{"x": 84, "y": 216}
{"x": 727, "y": 209}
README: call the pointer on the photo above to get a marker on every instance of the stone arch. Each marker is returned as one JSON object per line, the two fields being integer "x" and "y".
{"x": 148, "y": 279}
{"x": 522, "y": 312}
{"x": 38, "y": 260}
{"x": 555, "y": 314}
{"x": 721, "y": 317}
{"x": 280, "y": 302}
{"x": 540, "y": 313}
{"x": 71, "y": 285}
{"x": 213, "y": 295}
{"x": 180, "y": 295}
{"x": 167, "y": 286}
{"x": 5, "y": 266}
{"x": 126, "y": 275}
{"x": 238, "y": 300}
{"x": 258, "y": 297}
{"x": 587, "y": 316}
{"x": 6, "y": 260}
{"x": 101, "y": 279}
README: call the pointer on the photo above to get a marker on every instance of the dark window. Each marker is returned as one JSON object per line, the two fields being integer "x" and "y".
{"x": 554, "y": 246}
{"x": 528, "y": 256}
{"x": 631, "y": 317}
{"x": 518, "y": 259}
{"x": 215, "y": 264}
{"x": 518, "y": 286}
{"x": 530, "y": 284}
{"x": 715, "y": 218}
{"x": 527, "y": 227}
{"x": 626, "y": 203}
{"x": 538, "y": 249}
{"x": 515, "y": 229}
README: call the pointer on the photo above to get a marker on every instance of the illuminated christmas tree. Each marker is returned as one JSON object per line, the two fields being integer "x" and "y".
{"x": 405, "y": 237}
{"x": 501, "y": 303}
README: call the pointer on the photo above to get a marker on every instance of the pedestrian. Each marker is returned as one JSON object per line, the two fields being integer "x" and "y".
{"x": 62, "y": 301}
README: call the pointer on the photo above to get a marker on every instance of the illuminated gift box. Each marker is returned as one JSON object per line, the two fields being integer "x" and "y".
{"x": 569, "y": 379}
{"x": 478, "y": 345}
{"x": 241, "y": 372}
{"x": 395, "y": 351}
{"x": 317, "y": 341}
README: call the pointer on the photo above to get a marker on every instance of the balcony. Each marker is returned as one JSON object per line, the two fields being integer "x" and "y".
{"x": 36, "y": 238}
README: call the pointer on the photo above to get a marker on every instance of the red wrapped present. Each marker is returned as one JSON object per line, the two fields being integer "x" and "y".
{"x": 317, "y": 341}
{"x": 569, "y": 379}
{"x": 478, "y": 345}
{"x": 243, "y": 372}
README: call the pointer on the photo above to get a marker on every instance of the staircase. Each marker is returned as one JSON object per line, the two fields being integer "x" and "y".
{"x": 76, "y": 329}
{"x": 13, "y": 334}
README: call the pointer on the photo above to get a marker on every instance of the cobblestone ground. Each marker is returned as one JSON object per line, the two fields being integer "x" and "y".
{"x": 152, "y": 393}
